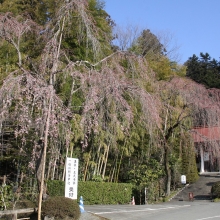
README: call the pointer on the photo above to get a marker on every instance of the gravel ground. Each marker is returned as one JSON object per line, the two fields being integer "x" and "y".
{"x": 90, "y": 216}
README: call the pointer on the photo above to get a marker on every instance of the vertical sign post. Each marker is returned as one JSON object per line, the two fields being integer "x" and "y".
{"x": 71, "y": 180}
{"x": 145, "y": 194}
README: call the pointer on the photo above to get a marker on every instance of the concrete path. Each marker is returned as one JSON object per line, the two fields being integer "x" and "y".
{"x": 201, "y": 189}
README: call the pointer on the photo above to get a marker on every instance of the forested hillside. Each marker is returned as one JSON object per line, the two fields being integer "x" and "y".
{"x": 67, "y": 90}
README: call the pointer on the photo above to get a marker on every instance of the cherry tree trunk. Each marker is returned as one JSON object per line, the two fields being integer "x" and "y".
{"x": 167, "y": 170}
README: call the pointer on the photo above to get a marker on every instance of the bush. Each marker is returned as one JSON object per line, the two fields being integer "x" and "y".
{"x": 215, "y": 190}
{"x": 61, "y": 207}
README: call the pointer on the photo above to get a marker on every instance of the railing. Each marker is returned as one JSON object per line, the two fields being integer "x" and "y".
{"x": 15, "y": 212}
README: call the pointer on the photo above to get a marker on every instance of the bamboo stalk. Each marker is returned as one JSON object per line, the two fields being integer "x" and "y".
{"x": 44, "y": 155}
{"x": 106, "y": 159}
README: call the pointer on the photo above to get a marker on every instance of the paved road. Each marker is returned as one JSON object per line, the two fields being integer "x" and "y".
{"x": 166, "y": 211}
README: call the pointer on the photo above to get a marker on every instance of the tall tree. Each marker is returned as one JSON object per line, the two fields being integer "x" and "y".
{"x": 175, "y": 114}
{"x": 204, "y": 105}
{"x": 147, "y": 43}
{"x": 106, "y": 85}
{"x": 204, "y": 70}
{"x": 33, "y": 96}
{"x": 38, "y": 11}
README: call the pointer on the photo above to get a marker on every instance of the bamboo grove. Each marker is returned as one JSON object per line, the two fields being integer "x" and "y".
{"x": 67, "y": 90}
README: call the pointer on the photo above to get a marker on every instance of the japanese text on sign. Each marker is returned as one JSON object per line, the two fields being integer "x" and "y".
{"x": 71, "y": 181}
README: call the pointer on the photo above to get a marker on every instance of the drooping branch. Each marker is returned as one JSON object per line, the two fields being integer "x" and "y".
{"x": 12, "y": 30}
{"x": 204, "y": 104}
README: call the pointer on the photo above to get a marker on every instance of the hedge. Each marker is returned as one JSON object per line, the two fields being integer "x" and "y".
{"x": 95, "y": 192}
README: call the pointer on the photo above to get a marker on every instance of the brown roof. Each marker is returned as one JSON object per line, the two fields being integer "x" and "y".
{"x": 204, "y": 134}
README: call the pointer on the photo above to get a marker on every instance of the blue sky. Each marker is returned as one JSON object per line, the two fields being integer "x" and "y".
{"x": 194, "y": 24}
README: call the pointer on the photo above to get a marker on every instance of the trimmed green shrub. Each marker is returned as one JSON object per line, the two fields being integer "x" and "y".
{"x": 105, "y": 193}
{"x": 60, "y": 208}
{"x": 95, "y": 192}
{"x": 215, "y": 190}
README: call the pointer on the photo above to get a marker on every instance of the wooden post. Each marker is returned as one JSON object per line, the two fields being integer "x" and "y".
{"x": 4, "y": 180}
{"x": 14, "y": 216}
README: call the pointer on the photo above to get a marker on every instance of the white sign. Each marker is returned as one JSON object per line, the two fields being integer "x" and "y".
{"x": 183, "y": 179}
{"x": 71, "y": 180}
{"x": 206, "y": 156}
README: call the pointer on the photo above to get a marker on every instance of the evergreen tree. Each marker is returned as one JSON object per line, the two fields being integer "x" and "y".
{"x": 38, "y": 11}
{"x": 147, "y": 44}
{"x": 189, "y": 167}
{"x": 204, "y": 70}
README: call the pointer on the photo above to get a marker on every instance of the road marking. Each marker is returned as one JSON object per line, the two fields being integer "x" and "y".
{"x": 209, "y": 217}
{"x": 141, "y": 210}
